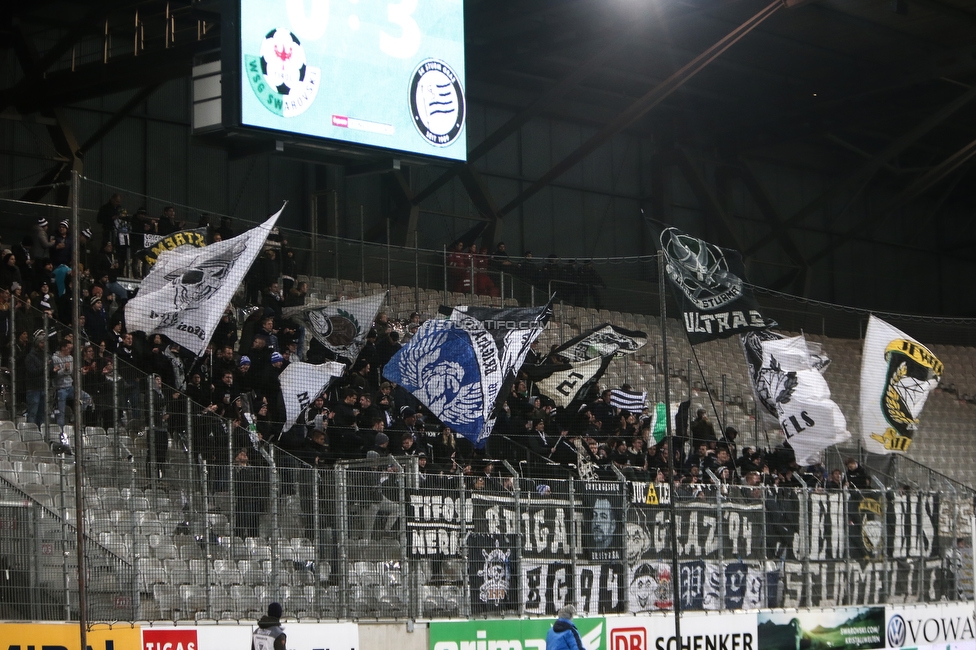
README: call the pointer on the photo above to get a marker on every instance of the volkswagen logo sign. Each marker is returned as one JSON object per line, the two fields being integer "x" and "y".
{"x": 896, "y": 631}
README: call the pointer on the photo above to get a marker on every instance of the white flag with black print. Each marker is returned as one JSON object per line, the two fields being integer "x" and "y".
{"x": 188, "y": 289}
{"x": 302, "y": 382}
{"x": 340, "y": 326}
{"x": 897, "y": 375}
{"x": 792, "y": 382}
{"x": 628, "y": 400}
{"x": 752, "y": 347}
{"x": 564, "y": 384}
{"x": 603, "y": 341}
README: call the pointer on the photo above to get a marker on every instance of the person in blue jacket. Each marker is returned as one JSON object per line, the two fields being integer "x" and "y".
{"x": 564, "y": 635}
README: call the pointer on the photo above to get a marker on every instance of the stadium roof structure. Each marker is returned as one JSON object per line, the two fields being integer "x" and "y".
{"x": 877, "y": 94}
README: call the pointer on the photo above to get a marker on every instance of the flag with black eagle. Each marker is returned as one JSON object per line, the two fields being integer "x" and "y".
{"x": 708, "y": 282}
{"x": 462, "y": 367}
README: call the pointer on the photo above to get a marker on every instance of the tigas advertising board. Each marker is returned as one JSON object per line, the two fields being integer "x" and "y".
{"x": 948, "y": 625}
{"x": 301, "y": 636}
{"x": 698, "y": 632}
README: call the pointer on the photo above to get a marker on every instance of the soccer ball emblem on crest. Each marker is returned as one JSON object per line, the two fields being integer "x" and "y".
{"x": 283, "y": 61}
{"x": 280, "y": 75}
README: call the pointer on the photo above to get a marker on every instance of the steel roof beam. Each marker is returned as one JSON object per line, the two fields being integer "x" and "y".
{"x": 639, "y": 108}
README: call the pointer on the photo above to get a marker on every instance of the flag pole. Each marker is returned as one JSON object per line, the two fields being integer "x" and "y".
{"x": 675, "y": 576}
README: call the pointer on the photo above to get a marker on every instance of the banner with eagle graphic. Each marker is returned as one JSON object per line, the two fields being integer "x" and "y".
{"x": 897, "y": 375}
{"x": 188, "y": 289}
{"x": 461, "y": 367}
{"x": 340, "y": 326}
{"x": 789, "y": 383}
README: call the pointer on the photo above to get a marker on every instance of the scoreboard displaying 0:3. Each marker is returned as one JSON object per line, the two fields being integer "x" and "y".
{"x": 381, "y": 73}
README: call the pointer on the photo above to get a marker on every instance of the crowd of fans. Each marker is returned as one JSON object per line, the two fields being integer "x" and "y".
{"x": 230, "y": 398}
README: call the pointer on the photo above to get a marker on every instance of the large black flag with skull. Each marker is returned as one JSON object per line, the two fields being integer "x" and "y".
{"x": 709, "y": 284}
{"x": 188, "y": 288}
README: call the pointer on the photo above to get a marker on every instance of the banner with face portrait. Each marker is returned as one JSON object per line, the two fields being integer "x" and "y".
{"x": 603, "y": 520}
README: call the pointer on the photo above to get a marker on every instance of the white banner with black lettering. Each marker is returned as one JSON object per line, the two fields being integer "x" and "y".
{"x": 897, "y": 375}
{"x": 809, "y": 418}
{"x": 302, "y": 382}
{"x": 188, "y": 289}
{"x": 562, "y": 386}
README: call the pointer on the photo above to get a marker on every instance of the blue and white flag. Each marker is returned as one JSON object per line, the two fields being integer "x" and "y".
{"x": 460, "y": 367}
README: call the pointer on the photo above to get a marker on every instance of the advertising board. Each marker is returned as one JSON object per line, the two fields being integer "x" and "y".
{"x": 66, "y": 636}
{"x": 526, "y": 634}
{"x": 844, "y": 628}
{"x": 698, "y": 632}
{"x": 943, "y": 625}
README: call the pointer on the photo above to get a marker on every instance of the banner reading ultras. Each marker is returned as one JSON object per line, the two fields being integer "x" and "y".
{"x": 384, "y": 74}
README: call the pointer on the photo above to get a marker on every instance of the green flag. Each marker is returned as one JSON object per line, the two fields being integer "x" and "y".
{"x": 659, "y": 422}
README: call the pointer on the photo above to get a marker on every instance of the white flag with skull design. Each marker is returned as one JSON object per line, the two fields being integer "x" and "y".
{"x": 188, "y": 289}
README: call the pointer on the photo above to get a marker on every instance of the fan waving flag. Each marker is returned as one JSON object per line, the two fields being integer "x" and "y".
{"x": 563, "y": 382}
{"x": 461, "y": 367}
{"x": 340, "y": 326}
{"x": 188, "y": 289}
{"x": 628, "y": 400}
{"x": 709, "y": 283}
{"x": 659, "y": 422}
{"x": 302, "y": 382}
{"x": 790, "y": 380}
{"x": 604, "y": 341}
{"x": 897, "y": 375}
{"x": 587, "y": 358}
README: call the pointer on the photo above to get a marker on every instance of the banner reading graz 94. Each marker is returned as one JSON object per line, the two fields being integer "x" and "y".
{"x": 709, "y": 283}
{"x": 527, "y": 633}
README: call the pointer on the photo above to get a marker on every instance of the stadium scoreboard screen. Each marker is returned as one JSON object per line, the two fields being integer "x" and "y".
{"x": 362, "y": 72}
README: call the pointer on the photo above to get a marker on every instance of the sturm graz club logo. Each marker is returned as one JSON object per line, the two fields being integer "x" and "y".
{"x": 437, "y": 102}
{"x": 280, "y": 76}
{"x": 700, "y": 270}
{"x": 896, "y": 631}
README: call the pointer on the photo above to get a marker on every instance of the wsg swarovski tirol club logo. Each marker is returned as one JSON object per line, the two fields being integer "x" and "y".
{"x": 280, "y": 75}
{"x": 437, "y": 102}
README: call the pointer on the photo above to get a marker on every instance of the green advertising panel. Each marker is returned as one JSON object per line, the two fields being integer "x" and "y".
{"x": 511, "y": 634}
{"x": 846, "y": 628}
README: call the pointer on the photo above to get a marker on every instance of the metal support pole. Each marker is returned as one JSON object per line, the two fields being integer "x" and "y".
{"x": 676, "y": 576}
{"x": 465, "y": 605}
{"x": 13, "y": 357}
{"x": 501, "y": 281}
{"x": 574, "y": 535}
{"x": 416, "y": 271}
{"x": 275, "y": 528}
{"x": 79, "y": 425}
{"x": 152, "y": 470}
{"x": 389, "y": 270}
{"x": 446, "y": 285}
{"x": 401, "y": 506}
{"x": 132, "y": 531}
{"x": 65, "y": 543}
{"x": 206, "y": 533}
{"x": 471, "y": 275}
{"x": 228, "y": 426}
{"x": 362, "y": 251}
{"x": 342, "y": 505}
{"x": 47, "y": 378}
{"x": 316, "y": 533}
{"x": 725, "y": 406}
